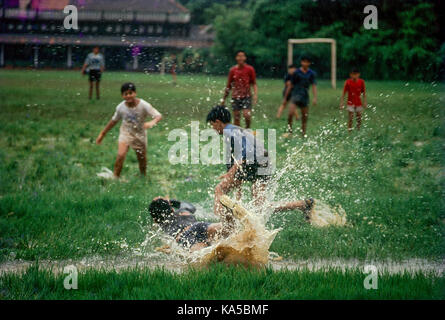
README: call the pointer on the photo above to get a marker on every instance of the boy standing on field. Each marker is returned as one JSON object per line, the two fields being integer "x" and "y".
{"x": 300, "y": 82}
{"x": 241, "y": 78}
{"x": 95, "y": 64}
{"x": 133, "y": 112}
{"x": 355, "y": 87}
{"x": 287, "y": 82}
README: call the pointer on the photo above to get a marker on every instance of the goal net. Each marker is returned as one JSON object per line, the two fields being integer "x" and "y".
{"x": 290, "y": 52}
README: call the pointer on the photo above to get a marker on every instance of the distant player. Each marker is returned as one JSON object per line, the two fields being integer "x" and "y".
{"x": 133, "y": 112}
{"x": 287, "y": 82}
{"x": 95, "y": 64}
{"x": 301, "y": 80}
{"x": 241, "y": 78}
{"x": 355, "y": 87}
{"x": 173, "y": 66}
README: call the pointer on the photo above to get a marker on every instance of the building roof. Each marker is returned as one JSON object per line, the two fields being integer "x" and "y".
{"x": 153, "y": 6}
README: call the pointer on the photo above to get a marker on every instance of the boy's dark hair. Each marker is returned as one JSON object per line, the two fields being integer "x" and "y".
{"x": 128, "y": 86}
{"x": 291, "y": 66}
{"x": 219, "y": 113}
{"x": 239, "y": 51}
{"x": 160, "y": 209}
{"x": 305, "y": 58}
{"x": 354, "y": 70}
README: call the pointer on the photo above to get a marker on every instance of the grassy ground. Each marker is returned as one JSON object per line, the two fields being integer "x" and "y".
{"x": 388, "y": 177}
{"x": 219, "y": 282}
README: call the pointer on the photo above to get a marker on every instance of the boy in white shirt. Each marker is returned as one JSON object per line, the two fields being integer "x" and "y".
{"x": 133, "y": 112}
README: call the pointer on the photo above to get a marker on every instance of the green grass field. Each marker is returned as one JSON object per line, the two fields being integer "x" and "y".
{"x": 389, "y": 178}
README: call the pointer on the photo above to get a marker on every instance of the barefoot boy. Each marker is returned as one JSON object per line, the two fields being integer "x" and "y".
{"x": 242, "y": 157}
{"x": 133, "y": 112}
{"x": 241, "y": 78}
{"x": 287, "y": 83}
{"x": 355, "y": 87}
{"x": 95, "y": 63}
{"x": 301, "y": 80}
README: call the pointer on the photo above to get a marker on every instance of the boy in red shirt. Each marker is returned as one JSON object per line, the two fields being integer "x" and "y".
{"x": 241, "y": 78}
{"x": 355, "y": 87}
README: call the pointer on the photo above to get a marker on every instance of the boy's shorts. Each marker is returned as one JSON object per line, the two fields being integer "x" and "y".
{"x": 300, "y": 100}
{"x": 135, "y": 142}
{"x": 355, "y": 108}
{"x": 195, "y": 234}
{"x": 249, "y": 173}
{"x": 94, "y": 75}
{"x": 242, "y": 103}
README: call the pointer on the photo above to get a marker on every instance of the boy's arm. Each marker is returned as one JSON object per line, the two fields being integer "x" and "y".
{"x": 152, "y": 123}
{"x": 102, "y": 64}
{"x": 227, "y": 88}
{"x": 156, "y": 115}
{"x": 342, "y": 98}
{"x": 107, "y": 128}
{"x": 85, "y": 64}
{"x": 314, "y": 92}
{"x": 288, "y": 89}
{"x": 365, "y": 104}
{"x": 255, "y": 94}
{"x": 255, "y": 87}
{"x": 83, "y": 68}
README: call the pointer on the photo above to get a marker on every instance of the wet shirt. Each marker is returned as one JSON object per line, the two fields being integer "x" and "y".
{"x": 354, "y": 90}
{"x": 240, "y": 146}
{"x": 174, "y": 224}
{"x": 95, "y": 61}
{"x": 301, "y": 81}
{"x": 240, "y": 80}
{"x": 132, "y": 128}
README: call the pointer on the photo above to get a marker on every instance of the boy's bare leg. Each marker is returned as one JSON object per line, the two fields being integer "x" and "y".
{"x": 238, "y": 193}
{"x": 290, "y": 117}
{"x": 303, "y": 205}
{"x": 198, "y": 246}
{"x": 304, "y": 116}
{"x": 247, "y": 113}
{"x": 121, "y": 154}
{"x": 258, "y": 188}
{"x": 280, "y": 110}
{"x": 225, "y": 186}
{"x": 350, "y": 120}
{"x": 359, "y": 119}
{"x": 97, "y": 90}
{"x": 299, "y": 205}
{"x": 141, "y": 154}
{"x": 90, "y": 93}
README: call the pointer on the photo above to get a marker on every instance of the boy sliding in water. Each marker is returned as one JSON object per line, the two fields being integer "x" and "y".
{"x": 177, "y": 219}
{"x": 133, "y": 112}
{"x": 355, "y": 87}
{"x": 287, "y": 83}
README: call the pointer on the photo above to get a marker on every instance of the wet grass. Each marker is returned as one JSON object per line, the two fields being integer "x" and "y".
{"x": 219, "y": 282}
{"x": 388, "y": 177}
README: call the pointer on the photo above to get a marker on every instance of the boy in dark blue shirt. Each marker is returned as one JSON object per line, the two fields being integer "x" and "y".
{"x": 300, "y": 82}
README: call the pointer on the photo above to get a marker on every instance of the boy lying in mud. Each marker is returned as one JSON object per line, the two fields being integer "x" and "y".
{"x": 177, "y": 219}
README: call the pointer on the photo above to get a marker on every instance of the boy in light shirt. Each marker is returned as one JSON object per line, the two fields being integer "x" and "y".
{"x": 133, "y": 112}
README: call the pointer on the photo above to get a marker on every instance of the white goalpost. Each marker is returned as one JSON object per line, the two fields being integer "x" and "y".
{"x": 290, "y": 51}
